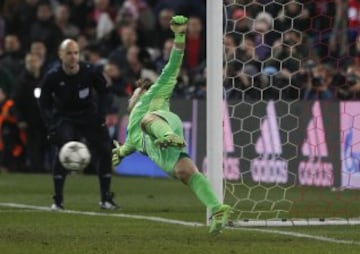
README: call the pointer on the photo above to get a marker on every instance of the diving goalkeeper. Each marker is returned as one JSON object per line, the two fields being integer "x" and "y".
{"x": 158, "y": 133}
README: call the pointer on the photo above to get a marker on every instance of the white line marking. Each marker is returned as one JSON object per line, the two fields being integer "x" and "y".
{"x": 20, "y": 211}
{"x": 301, "y": 235}
{"x": 183, "y": 223}
{"x": 121, "y": 215}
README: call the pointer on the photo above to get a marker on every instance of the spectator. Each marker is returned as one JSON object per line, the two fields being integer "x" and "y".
{"x": 39, "y": 48}
{"x": 62, "y": 16}
{"x": 140, "y": 11}
{"x": 6, "y": 79}
{"x": 189, "y": 8}
{"x": 116, "y": 81}
{"x": 12, "y": 140}
{"x": 139, "y": 14}
{"x": 2, "y": 33}
{"x": 79, "y": 13}
{"x": 242, "y": 23}
{"x": 28, "y": 114}
{"x": 83, "y": 41}
{"x": 93, "y": 55}
{"x": 195, "y": 44}
{"x": 102, "y": 16}
{"x": 321, "y": 26}
{"x": 234, "y": 82}
{"x": 166, "y": 4}
{"x": 20, "y": 17}
{"x": 12, "y": 58}
{"x": 135, "y": 68}
{"x": 289, "y": 52}
{"x": 128, "y": 38}
{"x": 318, "y": 83}
{"x": 354, "y": 15}
{"x": 164, "y": 56}
{"x": 350, "y": 89}
{"x": 293, "y": 16}
{"x": 162, "y": 28}
{"x": 355, "y": 50}
{"x": 264, "y": 36}
{"x": 44, "y": 29}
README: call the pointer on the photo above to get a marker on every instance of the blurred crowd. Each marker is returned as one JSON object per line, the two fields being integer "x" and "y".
{"x": 283, "y": 49}
{"x": 126, "y": 39}
{"x": 289, "y": 49}
{"x": 129, "y": 39}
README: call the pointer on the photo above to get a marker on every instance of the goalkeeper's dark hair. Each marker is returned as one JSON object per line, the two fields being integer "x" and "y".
{"x": 144, "y": 84}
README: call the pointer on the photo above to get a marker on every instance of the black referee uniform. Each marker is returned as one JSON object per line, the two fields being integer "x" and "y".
{"x": 74, "y": 108}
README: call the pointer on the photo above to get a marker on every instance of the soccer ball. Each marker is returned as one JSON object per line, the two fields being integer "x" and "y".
{"x": 74, "y": 155}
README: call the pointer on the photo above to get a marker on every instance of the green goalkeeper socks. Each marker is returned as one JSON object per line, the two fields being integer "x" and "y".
{"x": 158, "y": 128}
{"x": 202, "y": 189}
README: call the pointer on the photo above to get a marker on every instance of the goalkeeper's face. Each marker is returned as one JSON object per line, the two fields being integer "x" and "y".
{"x": 142, "y": 86}
{"x": 135, "y": 98}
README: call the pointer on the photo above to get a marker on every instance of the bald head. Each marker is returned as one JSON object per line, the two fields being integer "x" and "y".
{"x": 67, "y": 43}
{"x": 69, "y": 56}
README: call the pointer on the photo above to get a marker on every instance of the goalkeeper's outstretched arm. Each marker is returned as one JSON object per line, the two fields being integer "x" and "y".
{"x": 162, "y": 89}
{"x": 178, "y": 26}
{"x": 156, "y": 95}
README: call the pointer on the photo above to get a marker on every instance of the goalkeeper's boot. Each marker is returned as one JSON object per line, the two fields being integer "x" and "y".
{"x": 219, "y": 219}
{"x": 108, "y": 203}
{"x": 172, "y": 140}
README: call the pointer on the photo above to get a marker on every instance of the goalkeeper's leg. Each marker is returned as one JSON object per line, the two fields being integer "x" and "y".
{"x": 188, "y": 173}
{"x": 162, "y": 132}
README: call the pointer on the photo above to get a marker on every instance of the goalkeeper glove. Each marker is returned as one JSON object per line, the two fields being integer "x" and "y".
{"x": 116, "y": 159}
{"x": 178, "y": 25}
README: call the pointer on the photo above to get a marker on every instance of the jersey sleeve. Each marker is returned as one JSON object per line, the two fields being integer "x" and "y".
{"x": 161, "y": 91}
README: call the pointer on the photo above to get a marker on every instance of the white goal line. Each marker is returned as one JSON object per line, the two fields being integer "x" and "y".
{"x": 243, "y": 223}
{"x": 297, "y": 222}
{"x": 183, "y": 223}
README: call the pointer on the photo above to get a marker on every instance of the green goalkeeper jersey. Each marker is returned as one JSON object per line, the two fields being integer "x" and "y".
{"x": 157, "y": 101}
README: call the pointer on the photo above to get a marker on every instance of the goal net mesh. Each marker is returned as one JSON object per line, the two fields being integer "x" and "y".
{"x": 291, "y": 81}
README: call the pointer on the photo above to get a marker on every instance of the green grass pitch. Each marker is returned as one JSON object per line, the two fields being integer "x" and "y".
{"x": 87, "y": 229}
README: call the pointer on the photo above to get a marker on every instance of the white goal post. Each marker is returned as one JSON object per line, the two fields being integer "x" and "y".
{"x": 214, "y": 101}
{"x": 283, "y": 145}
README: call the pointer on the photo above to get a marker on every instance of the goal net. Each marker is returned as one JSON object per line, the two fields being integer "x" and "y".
{"x": 289, "y": 111}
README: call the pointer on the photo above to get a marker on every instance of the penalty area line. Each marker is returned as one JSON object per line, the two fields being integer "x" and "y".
{"x": 183, "y": 223}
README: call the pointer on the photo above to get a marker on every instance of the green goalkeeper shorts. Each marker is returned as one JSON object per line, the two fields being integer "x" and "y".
{"x": 166, "y": 158}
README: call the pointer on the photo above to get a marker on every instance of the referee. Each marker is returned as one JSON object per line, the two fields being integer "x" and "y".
{"x": 73, "y": 101}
